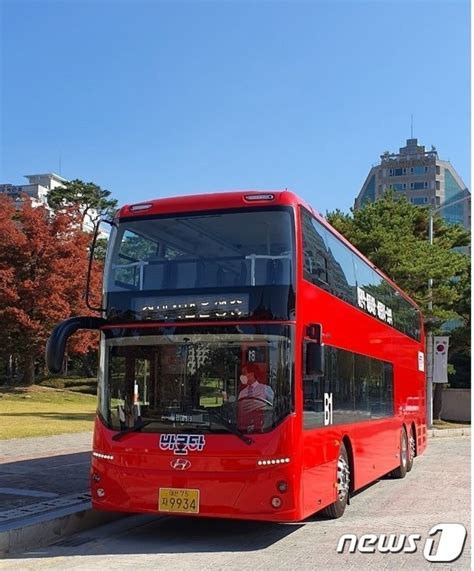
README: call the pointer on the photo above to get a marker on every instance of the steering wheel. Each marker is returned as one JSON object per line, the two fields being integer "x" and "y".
{"x": 256, "y": 398}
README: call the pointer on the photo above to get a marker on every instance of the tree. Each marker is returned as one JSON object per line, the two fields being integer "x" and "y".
{"x": 43, "y": 263}
{"x": 393, "y": 234}
{"x": 459, "y": 342}
{"x": 100, "y": 250}
{"x": 91, "y": 200}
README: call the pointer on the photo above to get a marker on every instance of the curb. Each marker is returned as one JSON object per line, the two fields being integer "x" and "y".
{"x": 449, "y": 432}
{"x": 43, "y": 530}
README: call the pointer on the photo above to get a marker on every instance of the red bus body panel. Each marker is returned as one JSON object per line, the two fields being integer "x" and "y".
{"x": 231, "y": 483}
{"x": 226, "y": 472}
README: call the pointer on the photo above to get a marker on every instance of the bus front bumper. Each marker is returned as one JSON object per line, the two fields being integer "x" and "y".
{"x": 255, "y": 494}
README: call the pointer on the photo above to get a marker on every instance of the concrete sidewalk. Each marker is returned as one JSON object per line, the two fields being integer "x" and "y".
{"x": 40, "y": 446}
{"x": 449, "y": 432}
{"x": 44, "y": 490}
{"x": 40, "y": 470}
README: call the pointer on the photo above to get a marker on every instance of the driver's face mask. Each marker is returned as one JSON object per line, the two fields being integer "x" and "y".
{"x": 244, "y": 379}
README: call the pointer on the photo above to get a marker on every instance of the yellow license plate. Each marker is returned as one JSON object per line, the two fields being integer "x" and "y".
{"x": 178, "y": 500}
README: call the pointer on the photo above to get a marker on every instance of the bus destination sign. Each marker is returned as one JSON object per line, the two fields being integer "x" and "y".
{"x": 187, "y": 308}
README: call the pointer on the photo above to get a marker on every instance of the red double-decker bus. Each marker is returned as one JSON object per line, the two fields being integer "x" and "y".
{"x": 253, "y": 364}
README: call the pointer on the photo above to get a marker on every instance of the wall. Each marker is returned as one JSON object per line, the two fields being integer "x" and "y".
{"x": 456, "y": 405}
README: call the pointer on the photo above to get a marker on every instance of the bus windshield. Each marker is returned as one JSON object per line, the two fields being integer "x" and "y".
{"x": 197, "y": 380}
{"x": 159, "y": 263}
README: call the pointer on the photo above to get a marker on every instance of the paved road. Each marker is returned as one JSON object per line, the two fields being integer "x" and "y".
{"x": 19, "y": 449}
{"x": 437, "y": 490}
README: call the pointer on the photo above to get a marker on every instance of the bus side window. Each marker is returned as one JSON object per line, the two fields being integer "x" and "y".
{"x": 316, "y": 267}
{"x": 360, "y": 387}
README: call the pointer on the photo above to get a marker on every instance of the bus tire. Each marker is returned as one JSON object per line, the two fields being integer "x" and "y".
{"x": 343, "y": 483}
{"x": 401, "y": 471}
{"x": 411, "y": 449}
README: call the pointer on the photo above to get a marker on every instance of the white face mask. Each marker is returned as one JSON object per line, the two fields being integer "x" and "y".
{"x": 243, "y": 379}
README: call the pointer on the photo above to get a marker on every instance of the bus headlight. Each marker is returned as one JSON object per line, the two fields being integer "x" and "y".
{"x": 102, "y": 456}
{"x": 273, "y": 461}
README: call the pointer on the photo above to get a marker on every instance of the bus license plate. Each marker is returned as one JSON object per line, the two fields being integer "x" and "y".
{"x": 178, "y": 500}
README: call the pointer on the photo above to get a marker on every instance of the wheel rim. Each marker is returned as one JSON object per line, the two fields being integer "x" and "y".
{"x": 412, "y": 446}
{"x": 343, "y": 478}
{"x": 404, "y": 449}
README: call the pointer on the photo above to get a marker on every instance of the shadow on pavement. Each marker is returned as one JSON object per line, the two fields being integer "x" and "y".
{"x": 24, "y": 482}
{"x": 150, "y": 535}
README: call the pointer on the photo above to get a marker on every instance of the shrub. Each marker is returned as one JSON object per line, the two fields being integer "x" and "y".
{"x": 75, "y": 383}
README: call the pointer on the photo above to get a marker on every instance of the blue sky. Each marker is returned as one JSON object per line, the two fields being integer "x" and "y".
{"x": 151, "y": 99}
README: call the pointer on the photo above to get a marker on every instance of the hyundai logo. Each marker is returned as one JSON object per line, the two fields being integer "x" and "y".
{"x": 180, "y": 464}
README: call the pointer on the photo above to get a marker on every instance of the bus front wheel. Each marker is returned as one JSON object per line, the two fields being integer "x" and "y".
{"x": 402, "y": 469}
{"x": 343, "y": 483}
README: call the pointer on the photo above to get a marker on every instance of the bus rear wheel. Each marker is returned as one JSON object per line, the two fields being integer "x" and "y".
{"x": 402, "y": 469}
{"x": 343, "y": 483}
{"x": 411, "y": 449}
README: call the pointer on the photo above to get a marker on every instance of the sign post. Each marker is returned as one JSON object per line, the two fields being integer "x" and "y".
{"x": 429, "y": 379}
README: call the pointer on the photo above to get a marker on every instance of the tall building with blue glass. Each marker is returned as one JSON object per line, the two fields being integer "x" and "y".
{"x": 423, "y": 178}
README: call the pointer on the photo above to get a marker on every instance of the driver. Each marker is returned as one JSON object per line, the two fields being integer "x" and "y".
{"x": 253, "y": 389}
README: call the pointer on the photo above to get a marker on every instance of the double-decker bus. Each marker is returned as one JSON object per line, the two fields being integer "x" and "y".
{"x": 253, "y": 364}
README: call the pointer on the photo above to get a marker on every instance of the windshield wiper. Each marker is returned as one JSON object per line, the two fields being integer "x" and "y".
{"x": 230, "y": 427}
{"x": 136, "y": 428}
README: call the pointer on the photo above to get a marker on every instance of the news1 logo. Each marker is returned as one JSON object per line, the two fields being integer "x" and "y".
{"x": 450, "y": 545}
{"x": 444, "y": 544}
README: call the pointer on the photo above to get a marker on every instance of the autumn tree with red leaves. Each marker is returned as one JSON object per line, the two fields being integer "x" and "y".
{"x": 43, "y": 267}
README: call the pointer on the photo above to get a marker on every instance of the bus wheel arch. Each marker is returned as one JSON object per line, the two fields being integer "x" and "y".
{"x": 344, "y": 473}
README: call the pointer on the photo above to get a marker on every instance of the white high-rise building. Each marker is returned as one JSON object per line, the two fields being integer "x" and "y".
{"x": 37, "y": 188}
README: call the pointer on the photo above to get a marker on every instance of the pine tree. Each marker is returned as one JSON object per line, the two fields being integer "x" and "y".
{"x": 91, "y": 200}
{"x": 393, "y": 234}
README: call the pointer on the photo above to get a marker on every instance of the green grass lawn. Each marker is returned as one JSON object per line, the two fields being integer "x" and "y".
{"x": 39, "y": 411}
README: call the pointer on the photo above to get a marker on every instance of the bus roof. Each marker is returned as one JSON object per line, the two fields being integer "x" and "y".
{"x": 210, "y": 201}
{"x": 239, "y": 199}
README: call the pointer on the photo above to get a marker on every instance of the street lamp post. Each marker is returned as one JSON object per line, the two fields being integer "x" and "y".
{"x": 429, "y": 341}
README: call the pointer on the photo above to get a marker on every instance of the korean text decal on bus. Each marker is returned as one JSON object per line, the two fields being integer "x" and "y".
{"x": 253, "y": 364}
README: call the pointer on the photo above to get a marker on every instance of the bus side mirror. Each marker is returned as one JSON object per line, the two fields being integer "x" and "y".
{"x": 56, "y": 344}
{"x": 314, "y": 359}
